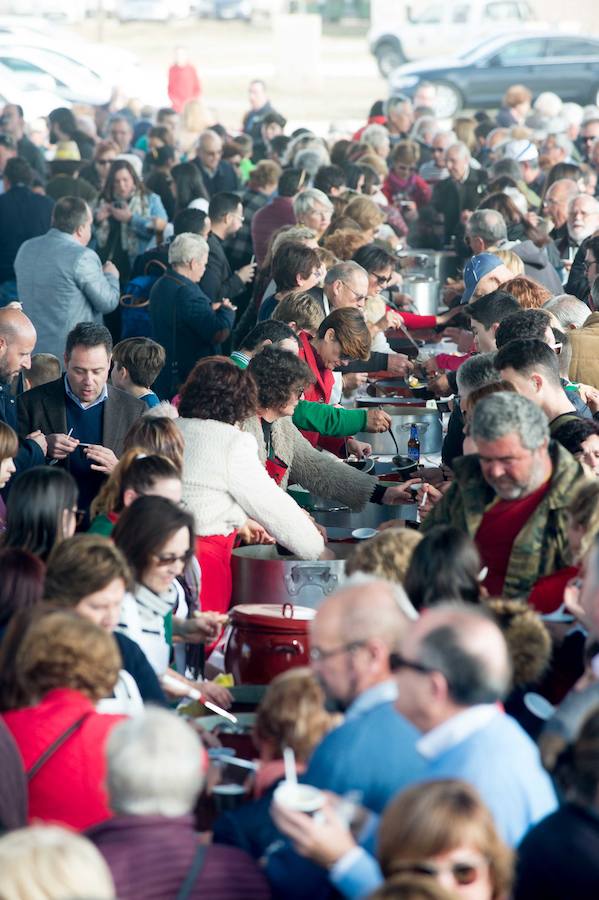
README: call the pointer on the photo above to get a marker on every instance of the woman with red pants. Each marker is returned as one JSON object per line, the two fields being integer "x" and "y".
{"x": 224, "y": 482}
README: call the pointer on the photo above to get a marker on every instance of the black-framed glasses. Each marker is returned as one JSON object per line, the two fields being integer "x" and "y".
{"x": 397, "y": 662}
{"x": 317, "y": 655}
{"x": 361, "y": 298}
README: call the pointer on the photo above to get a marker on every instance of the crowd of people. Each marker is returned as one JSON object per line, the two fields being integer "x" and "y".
{"x": 186, "y": 315}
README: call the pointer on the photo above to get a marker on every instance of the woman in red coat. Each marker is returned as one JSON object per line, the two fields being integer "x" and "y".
{"x": 64, "y": 664}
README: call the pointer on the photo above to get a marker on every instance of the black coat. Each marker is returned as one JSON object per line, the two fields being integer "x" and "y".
{"x": 23, "y": 215}
{"x": 219, "y": 279}
{"x": 224, "y": 179}
{"x": 30, "y": 454}
{"x": 184, "y": 322}
{"x": 451, "y": 199}
{"x": 559, "y": 858}
{"x": 578, "y": 283}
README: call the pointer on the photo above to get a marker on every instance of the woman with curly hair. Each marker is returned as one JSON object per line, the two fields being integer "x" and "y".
{"x": 64, "y": 665}
{"x": 224, "y": 482}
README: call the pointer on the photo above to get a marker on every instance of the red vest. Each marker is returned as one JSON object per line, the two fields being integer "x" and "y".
{"x": 319, "y": 392}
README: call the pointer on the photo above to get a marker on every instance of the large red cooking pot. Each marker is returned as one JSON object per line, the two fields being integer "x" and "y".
{"x": 267, "y": 639}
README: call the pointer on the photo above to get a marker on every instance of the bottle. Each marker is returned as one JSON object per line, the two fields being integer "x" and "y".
{"x": 414, "y": 444}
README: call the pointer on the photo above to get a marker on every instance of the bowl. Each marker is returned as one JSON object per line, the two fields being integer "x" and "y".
{"x": 362, "y": 465}
{"x": 364, "y": 534}
{"x": 404, "y": 466}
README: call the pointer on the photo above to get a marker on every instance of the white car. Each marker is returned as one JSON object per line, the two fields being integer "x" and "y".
{"x": 36, "y": 103}
{"x": 42, "y": 69}
{"x": 437, "y": 28}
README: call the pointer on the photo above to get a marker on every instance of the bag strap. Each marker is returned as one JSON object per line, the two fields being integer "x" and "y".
{"x": 56, "y": 745}
{"x": 196, "y": 867}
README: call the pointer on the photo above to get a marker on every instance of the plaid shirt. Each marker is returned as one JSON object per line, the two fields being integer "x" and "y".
{"x": 239, "y": 247}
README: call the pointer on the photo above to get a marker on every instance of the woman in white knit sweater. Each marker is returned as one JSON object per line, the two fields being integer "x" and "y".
{"x": 224, "y": 481}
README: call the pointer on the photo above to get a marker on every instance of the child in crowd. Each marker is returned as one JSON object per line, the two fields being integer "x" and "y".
{"x": 45, "y": 367}
{"x": 137, "y": 363}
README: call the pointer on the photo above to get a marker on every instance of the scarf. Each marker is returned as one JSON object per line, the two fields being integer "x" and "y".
{"x": 139, "y": 205}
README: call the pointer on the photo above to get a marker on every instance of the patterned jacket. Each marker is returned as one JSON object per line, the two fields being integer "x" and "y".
{"x": 542, "y": 545}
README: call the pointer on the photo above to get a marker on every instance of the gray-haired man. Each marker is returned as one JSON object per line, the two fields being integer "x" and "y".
{"x": 511, "y": 497}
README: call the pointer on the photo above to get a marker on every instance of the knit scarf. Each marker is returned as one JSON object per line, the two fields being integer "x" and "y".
{"x": 139, "y": 205}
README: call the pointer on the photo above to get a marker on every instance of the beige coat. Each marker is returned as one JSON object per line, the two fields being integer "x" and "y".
{"x": 584, "y": 366}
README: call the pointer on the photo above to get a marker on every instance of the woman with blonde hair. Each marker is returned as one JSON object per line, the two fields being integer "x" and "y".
{"x": 367, "y": 214}
{"x": 344, "y": 242}
{"x": 385, "y": 556}
{"x": 443, "y": 829}
{"x": 47, "y": 862}
{"x": 135, "y": 475}
{"x": 291, "y": 714}
{"x": 511, "y": 261}
{"x": 155, "y": 433}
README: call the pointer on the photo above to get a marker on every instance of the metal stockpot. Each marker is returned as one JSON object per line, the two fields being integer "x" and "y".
{"x": 424, "y": 293}
{"x": 261, "y": 575}
{"x": 430, "y": 430}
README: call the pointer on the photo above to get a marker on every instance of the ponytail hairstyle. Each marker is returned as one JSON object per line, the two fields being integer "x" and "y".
{"x": 135, "y": 471}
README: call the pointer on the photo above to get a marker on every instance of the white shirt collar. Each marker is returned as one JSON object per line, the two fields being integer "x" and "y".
{"x": 455, "y": 730}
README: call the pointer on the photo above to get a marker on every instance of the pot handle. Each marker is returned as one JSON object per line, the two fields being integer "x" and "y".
{"x": 300, "y": 576}
{"x": 294, "y": 648}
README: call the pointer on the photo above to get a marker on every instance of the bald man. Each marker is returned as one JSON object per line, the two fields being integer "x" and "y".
{"x": 351, "y": 637}
{"x": 17, "y": 342}
{"x": 452, "y": 671}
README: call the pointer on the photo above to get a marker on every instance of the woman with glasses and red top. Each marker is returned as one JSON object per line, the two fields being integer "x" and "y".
{"x": 380, "y": 266}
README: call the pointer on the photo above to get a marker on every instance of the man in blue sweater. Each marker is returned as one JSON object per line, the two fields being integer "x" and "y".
{"x": 452, "y": 673}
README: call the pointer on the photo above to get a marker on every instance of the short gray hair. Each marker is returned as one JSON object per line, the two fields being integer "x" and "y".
{"x": 508, "y": 413}
{"x": 568, "y": 310}
{"x": 375, "y": 136}
{"x": 311, "y": 159}
{"x": 488, "y": 225}
{"x": 187, "y": 247}
{"x": 468, "y": 648}
{"x": 154, "y": 765}
{"x": 463, "y": 149}
{"x": 342, "y": 270}
{"x": 307, "y": 200}
{"x": 476, "y": 372}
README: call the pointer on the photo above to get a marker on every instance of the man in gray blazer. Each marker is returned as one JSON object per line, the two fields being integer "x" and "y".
{"x": 60, "y": 281}
{"x": 84, "y": 419}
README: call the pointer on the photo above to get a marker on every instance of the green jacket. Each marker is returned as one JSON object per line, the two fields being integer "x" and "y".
{"x": 542, "y": 546}
{"x": 332, "y": 421}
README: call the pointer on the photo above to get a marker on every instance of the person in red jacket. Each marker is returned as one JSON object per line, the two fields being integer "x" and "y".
{"x": 403, "y": 187}
{"x": 183, "y": 81}
{"x": 64, "y": 665}
{"x": 342, "y": 337}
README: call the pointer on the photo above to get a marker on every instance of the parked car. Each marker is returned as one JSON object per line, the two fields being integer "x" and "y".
{"x": 225, "y": 9}
{"x": 41, "y": 69}
{"x": 36, "y": 103}
{"x": 565, "y": 63}
{"x": 429, "y": 30}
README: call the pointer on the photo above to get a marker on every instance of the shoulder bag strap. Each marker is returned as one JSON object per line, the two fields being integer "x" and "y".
{"x": 56, "y": 745}
{"x": 194, "y": 870}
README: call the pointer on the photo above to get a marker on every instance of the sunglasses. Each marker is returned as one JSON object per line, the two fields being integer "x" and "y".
{"x": 381, "y": 280}
{"x": 163, "y": 561}
{"x": 463, "y": 873}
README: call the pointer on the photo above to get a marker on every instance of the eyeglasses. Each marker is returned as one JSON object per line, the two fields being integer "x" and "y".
{"x": 438, "y": 150}
{"x": 317, "y": 655}
{"x": 361, "y": 298}
{"x": 381, "y": 280}
{"x": 164, "y": 561}
{"x": 397, "y": 662}
{"x": 463, "y": 873}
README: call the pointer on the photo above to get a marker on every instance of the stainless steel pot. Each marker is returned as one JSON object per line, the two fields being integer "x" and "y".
{"x": 424, "y": 292}
{"x": 260, "y": 575}
{"x": 437, "y": 264}
{"x": 431, "y": 436}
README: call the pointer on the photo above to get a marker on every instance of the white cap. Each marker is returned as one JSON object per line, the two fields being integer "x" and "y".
{"x": 520, "y": 150}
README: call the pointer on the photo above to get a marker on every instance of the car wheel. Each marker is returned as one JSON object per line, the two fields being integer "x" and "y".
{"x": 449, "y": 100}
{"x": 388, "y": 58}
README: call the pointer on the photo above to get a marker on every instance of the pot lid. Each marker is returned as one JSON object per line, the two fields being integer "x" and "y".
{"x": 273, "y": 615}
